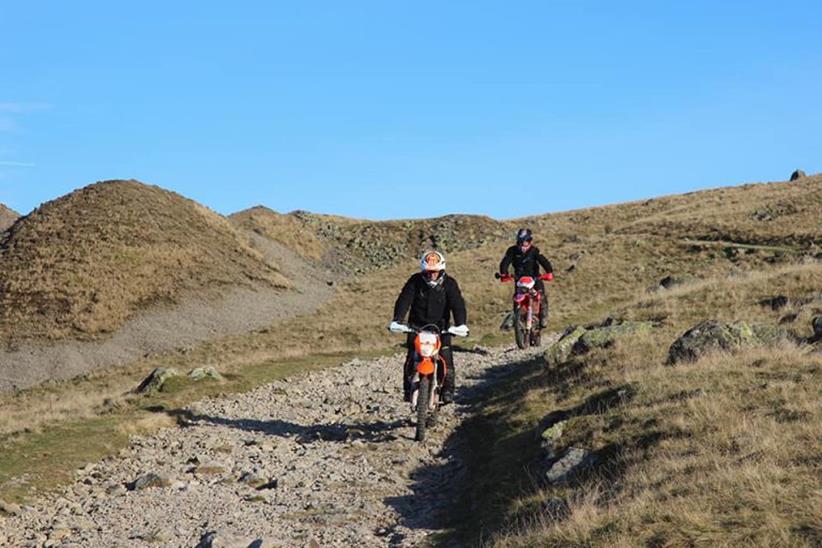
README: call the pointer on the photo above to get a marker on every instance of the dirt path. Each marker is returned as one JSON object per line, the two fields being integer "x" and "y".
{"x": 326, "y": 459}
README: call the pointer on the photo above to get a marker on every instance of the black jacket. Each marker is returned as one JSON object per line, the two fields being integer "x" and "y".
{"x": 525, "y": 264}
{"x": 430, "y": 305}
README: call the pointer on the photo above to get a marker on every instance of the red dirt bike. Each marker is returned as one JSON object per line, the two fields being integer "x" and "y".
{"x": 527, "y": 305}
{"x": 429, "y": 373}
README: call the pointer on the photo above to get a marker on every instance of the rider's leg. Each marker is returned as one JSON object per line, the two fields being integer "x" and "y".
{"x": 543, "y": 308}
{"x": 408, "y": 369}
{"x": 450, "y": 382}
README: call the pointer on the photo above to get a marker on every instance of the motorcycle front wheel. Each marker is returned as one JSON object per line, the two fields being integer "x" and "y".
{"x": 520, "y": 334}
{"x": 423, "y": 401}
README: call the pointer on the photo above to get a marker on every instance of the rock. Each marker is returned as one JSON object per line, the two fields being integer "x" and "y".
{"x": 9, "y": 508}
{"x": 711, "y": 336}
{"x": 201, "y": 373}
{"x": 549, "y": 439}
{"x": 816, "y": 323}
{"x": 560, "y": 351}
{"x": 213, "y": 539}
{"x": 798, "y": 174}
{"x": 554, "y": 432}
{"x": 270, "y": 484}
{"x": 149, "y": 480}
{"x": 572, "y": 462}
{"x": 252, "y": 479}
{"x": 115, "y": 490}
{"x": 775, "y": 303}
{"x": 155, "y": 381}
{"x": 670, "y": 281}
{"x": 600, "y": 337}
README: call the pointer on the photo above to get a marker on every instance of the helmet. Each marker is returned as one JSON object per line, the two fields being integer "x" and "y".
{"x": 524, "y": 235}
{"x": 432, "y": 265}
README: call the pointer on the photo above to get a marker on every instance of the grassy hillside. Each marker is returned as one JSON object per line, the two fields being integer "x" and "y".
{"x": 7, "y": 217}
{"x": 724, "y": 451}
{"x": 84, "y": 263}
{"x": 745, "y": 425}
{"x": 359, "y": 246}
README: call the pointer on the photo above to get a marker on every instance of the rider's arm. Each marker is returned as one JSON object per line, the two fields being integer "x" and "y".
{"x": 404, "y": 301}
{"x": 506, "y": 261}
{"x": 456, "y": 302}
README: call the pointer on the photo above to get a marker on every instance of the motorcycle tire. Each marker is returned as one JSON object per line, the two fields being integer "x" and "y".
{"x": 520, "y": 334}
{"x": 423, "y": 401}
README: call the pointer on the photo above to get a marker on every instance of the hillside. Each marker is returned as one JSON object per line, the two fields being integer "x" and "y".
{"x": 359, "y": 246}
{"x": 721, "y": 451}
{"x": 83, "y": 264}
{"x": 7, "y": 217}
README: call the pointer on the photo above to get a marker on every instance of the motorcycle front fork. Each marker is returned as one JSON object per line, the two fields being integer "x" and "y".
{"x": 415, "y": 390}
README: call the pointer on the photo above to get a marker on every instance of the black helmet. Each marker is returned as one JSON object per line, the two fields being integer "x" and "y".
{"x": 524, "y": 235}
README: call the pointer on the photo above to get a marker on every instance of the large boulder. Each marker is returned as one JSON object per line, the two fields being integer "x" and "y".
{"x": 201, "y": 373}
{"x": 605, "y": 335}
{"x": 711, "y": 336}
{"x": 155, "y": 381}
{"x": 574, "y": 461}
{"x": 560, "y": 351}
{"x": 816, "y": 322}
{"x": 798, "y": 174}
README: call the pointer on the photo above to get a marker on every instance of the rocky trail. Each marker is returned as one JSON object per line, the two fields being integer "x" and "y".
{"x": 325, "y": 459}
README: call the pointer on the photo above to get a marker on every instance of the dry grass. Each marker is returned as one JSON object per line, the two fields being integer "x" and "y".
{"x": 7, "y": 217}
{"x": 722, "y": 452}
{"x": 665, "y": 437}
{"x": 83, "y": 264}
{"x": 285, "y": 229}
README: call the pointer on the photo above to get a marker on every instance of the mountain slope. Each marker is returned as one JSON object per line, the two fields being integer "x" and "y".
{"x": 7, "y": 217}
{"x": 84, "y": 263}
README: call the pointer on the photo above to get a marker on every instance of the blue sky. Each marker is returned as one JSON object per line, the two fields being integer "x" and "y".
{"x": 390, "y": 109}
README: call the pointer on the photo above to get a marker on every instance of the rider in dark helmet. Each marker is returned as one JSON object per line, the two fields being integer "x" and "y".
{"x": 526, "y": 259}
{"x": 432, "y": 296}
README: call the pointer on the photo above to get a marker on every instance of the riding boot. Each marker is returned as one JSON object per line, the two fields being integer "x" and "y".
{"x": 543, "y": 312}
{"x": 449, "y": 382}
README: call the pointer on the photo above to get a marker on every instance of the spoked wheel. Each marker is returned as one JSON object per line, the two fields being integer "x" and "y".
{"x": 520, "y": 334}
{"x": 423, "y": 400}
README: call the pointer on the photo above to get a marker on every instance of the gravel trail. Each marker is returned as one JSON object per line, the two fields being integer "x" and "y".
{"x": 326, "y": 459}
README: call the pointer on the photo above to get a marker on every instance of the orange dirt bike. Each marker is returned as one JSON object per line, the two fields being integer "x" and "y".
{"x": 527, "y": 305}
{"x": 429, "y": 372}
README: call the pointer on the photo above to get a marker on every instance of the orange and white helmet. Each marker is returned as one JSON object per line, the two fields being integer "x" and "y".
{"x": 432, "y": 261}
{"x": 432, "y": 265}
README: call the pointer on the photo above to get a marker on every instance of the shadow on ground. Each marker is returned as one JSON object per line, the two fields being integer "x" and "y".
{"x": 372, "y": 432}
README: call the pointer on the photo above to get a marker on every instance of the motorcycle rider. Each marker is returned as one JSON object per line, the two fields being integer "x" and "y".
{"x": 527, "y": 259}
{"x": 432, "y": 296}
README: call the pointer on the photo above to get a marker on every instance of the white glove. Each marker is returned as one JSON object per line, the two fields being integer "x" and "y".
{"x": 459, "y": 330}
{"x": 397, "y": 327}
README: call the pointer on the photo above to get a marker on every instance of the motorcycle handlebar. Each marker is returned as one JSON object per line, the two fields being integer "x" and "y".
{"x": 411, "y": 329}
{"x": 548, "y": 276}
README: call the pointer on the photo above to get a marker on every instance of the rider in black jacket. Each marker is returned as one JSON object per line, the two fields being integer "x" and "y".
{"x": 526, "y": 259}
{"x": 432, "y": 297}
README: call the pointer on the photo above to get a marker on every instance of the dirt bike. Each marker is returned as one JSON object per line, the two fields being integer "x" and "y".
{"x": 527, "y": 305}
{"x": 429, "y": 374}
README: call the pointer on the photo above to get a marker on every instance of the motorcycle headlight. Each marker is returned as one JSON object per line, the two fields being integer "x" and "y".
{"x": 427, "y": 344}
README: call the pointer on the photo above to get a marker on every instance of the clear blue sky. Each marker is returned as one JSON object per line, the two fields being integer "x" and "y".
{"x": 386, "y": 109}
